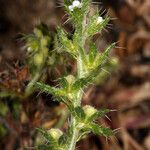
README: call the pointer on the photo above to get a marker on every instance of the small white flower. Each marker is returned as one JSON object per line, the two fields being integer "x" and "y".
{"x": 99, "y": 20}
{"x": 29, "y": 49}
{"x": 76, "y": 3}
{"x": 71, "y": 7}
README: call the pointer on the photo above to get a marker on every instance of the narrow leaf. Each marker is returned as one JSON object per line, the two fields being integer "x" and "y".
{"x": 98, "y": 114}
{"x": 105, "y": 54}
{"x": 49, "y": 89}
{"x": 100, "y": 130}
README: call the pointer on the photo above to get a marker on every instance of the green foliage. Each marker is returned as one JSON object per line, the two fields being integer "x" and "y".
{"x": 3, "y": 130}
{"x": 3, "y": 108}
{"x": 38, "y": 45}
{"x": 71, "y": 87}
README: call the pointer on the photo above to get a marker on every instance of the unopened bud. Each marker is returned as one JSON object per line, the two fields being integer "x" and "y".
{"x": 38, "y": 59}
{"x": 89, "y": 110}
{"x": 81, "y": 125}
{"x": 70, "y": 79}
{"x": 55, "y": 133}
{"x": 44, "y": 41}
{"x": 99, "y": 20}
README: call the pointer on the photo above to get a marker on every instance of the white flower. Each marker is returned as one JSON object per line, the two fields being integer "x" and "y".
{"x": 76, "y": 3}
{"x": 29, "y": 49}
{"x": 99, "y": 20}
{"x": 71, "y": 7}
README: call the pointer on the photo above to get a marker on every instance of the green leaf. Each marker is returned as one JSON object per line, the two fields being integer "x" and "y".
{"x": 62, "y": 140}
{"x": 79, "y": 113}
{"x": 100, "y": 130}
{"x": 79, "y": 84}
{"x": 3, "y": 109}
{"x": 3, "y": 130}
{"x": 48, "y": 147}
{"x": 44, "y": 147}
{"x": 92, "y": 53}
{"x": 85, "y": 6}
{"x": 100, "y": 113}
{"x": 64, "y": 83}
{"x": 67, "y": 2}
{"x": 52, "y": 142}
{"x": 47, "y": 136}
{"x": 105, "y": 54}
{"x": 67, "y": 44}
{"x": 86, "y": 80}
{"x": 48, "y": 89}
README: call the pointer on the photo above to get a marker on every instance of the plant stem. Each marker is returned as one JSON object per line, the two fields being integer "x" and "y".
{"x": 74, "y": 123}
{"x": 29, "y": 88}
{"x": 74, "y": 137}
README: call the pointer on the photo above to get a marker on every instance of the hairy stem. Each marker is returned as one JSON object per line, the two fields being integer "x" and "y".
{"x": 74, "y": 137}
{"x": 29, "y": 88}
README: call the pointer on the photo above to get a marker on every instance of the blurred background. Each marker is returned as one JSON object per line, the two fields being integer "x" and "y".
{"x": 125, "y": 87}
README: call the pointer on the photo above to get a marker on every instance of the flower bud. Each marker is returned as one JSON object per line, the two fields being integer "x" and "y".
{"x": 44, "y": 41}
{"x": 70, "y": 79}
{"x": 89, "y": 110}
{"x": 99, "y": 20}
{"x": 55, "y": 133}
{"x": 38, "y": 59}
{"x": 80, "y": 125}
{"x": 114, "y": 60}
